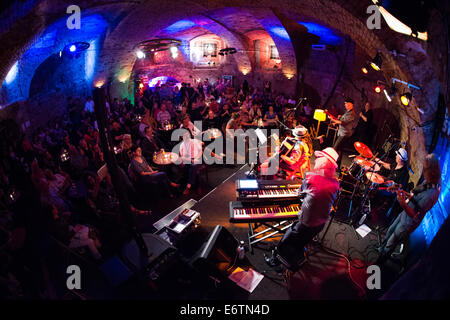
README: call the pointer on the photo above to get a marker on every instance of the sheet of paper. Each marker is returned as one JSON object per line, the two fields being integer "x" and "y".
{"x": 247, "y": 280}
{"x": 363, "y": 230}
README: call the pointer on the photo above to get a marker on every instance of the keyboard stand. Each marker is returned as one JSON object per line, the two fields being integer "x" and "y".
{"x": 273, "y": 228}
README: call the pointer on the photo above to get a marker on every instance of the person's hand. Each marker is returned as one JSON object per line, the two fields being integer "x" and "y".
{"x": 401, "y": 197}
{"x": 360, "y": 114}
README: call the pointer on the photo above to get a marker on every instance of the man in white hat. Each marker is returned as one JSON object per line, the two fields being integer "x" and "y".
{"x": 318, "y": 193}
{"x": 397, "y": 172}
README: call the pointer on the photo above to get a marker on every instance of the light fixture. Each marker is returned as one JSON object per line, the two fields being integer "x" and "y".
{"x": 174, "y": 52}
{"x": 387, "y": 95}
{"x": 376, "y": 62}
{"x": 398, "y": 26}
{"x": 406, "y": 98}
{"x": 364, "y": 70}
{"x": 377, "y": 88}
{"x": 141, "y": 85}
{"x": 77, "y": 47}
{"x": 140, "y": 54}
{"x": 319, "y": 115}
{"x": 99, "y": 84}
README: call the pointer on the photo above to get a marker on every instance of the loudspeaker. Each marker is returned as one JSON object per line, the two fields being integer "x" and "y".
{"x": 218, "y": 254}
{"x": 161, "y": 256}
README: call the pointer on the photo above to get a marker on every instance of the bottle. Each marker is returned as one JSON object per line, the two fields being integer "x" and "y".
{"x": 241, "y": 250}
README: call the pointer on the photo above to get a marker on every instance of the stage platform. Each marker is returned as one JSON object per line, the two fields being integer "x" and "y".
{"x": 341, "y": 251}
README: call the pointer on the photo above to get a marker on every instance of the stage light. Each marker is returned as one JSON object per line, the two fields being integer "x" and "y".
{"x": 174, "y": 52}
{"x": 406, "y": 98}
{"x": 377, "y": 89}
{"x": 364, "y": 70}
{"x": 73, "y": 48}
{"x": 140, "y": 54}
{"x": 376, "y": 62}
{"x": 387, "y": 95}
{"x": 141, "y": 85}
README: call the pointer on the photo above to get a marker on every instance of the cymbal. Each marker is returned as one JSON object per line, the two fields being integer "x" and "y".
{"x": 375, "y": 177}
{"x": 367, "y": 164}
{"x": 363, "y": 149}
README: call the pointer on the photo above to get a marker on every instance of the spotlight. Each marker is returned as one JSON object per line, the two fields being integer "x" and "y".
{"x": 73, "y": 48}
{"x": 140, "y": 54}
{"x": 406, "y": 98}
{"x": 141, "y": 85}
{"x": 377, "y": 89}
{"x": 364, "y": 70}
{"x": 376, "y": 62}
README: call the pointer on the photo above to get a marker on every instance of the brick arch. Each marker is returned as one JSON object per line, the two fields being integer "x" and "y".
{"x": 143, "y": 20}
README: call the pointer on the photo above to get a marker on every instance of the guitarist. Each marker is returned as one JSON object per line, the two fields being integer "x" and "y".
{"x": 415, "y": 205}
{"x": 346, "y": 124}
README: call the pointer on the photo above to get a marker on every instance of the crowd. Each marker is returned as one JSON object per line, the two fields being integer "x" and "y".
{"x": 55, "y": 187}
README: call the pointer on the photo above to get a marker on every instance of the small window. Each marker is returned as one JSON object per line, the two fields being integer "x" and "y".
{"x": 274, "y": 53}
{"x": 209, "y": 50}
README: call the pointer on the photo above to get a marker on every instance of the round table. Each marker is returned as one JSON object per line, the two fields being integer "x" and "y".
{"x": 165, "y": 158}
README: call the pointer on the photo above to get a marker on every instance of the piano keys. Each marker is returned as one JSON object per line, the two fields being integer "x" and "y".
{"x": 242, "y": 212}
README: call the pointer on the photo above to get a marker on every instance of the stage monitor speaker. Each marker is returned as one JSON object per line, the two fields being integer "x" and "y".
{"x": 161, "y": 256}
{"x": 218, "y": 254}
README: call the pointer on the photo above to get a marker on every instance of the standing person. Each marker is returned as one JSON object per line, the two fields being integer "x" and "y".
{"x": 415, "y": 205}
{"x": 191, "y": 154}
{"x": 365, "y": 125}
{"x": 346, "y": 123}
{"x": 318, "y": 193}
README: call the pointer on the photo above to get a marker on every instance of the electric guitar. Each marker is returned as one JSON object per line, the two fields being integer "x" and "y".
{"x": 395, "y": 188}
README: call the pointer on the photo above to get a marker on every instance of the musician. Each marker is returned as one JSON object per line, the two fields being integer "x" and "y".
{"x": 346, "y": 123}
{"x": 398, "y": 172}
{"x": 415, "y": 205}
{"x": 319, "y": 191}
{"x": 365, "y": 125}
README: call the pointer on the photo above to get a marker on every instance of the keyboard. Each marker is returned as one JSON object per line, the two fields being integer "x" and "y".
{"x": 242, "y": 212}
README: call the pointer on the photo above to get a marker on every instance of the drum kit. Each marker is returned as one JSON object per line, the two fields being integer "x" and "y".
{"x": 364, "y": 178}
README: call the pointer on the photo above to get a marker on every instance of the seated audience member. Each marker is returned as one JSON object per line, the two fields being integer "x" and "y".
{"x": 233, "y": 124}
{"x": 150, "y": 144}
{"x": 225, "y": 115}
{"x": 255, "y": 112}
{"x": 75, "y": 236}
{"x": 182, "y": 114}
{"x": 191, "y": 153}
{"x": 146, "y": 175}
{"x": 89, "y": 105}
{"x": 117, "y": 133}
{"x": 271, "y": 117}
{"x": 163, "y": 116}
{"x": 187, "y": 124}
{"x": 245, "y": 118}
{"x": 210, "y": 121}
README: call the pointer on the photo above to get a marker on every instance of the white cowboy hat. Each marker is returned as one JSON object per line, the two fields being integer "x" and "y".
{"x": 329, "y": 153}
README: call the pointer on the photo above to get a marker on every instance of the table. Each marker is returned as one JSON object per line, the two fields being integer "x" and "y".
{"x": 164, "y": 158}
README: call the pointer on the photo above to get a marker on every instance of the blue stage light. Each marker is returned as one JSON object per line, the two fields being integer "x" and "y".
{"x": 73, "y": 48}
